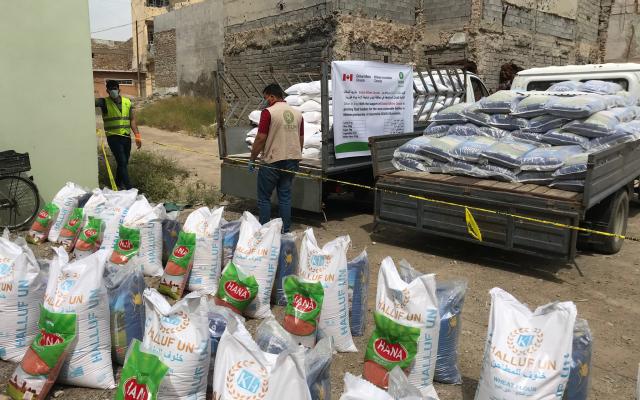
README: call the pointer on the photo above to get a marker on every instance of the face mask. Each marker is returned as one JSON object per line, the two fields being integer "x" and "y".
{"x": 264, "y": 104}
{"x": 114, "y": 93}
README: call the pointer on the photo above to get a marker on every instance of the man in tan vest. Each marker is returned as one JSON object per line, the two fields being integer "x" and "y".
{"x": 280, "y": 139}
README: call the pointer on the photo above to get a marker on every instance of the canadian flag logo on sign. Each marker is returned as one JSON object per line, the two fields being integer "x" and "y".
{"x": 347, "y": 77}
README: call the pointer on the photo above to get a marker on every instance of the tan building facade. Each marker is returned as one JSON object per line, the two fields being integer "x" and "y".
{"x": 623, "y": 37}
{"x": 142, "y": 32}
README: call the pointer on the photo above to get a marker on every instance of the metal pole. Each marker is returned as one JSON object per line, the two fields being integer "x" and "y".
{"x": 138, "y": 61}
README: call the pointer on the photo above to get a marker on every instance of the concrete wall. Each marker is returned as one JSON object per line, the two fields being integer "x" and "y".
{"x": 49, "y": 112}
{"x": 623, "y": 40}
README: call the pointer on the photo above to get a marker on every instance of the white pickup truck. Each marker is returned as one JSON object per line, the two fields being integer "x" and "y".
{"x": 603, "y": 206}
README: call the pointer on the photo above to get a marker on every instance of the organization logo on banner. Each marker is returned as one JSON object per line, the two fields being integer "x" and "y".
{"x": 347, "y": 77}
{"x": 247, "y": 381}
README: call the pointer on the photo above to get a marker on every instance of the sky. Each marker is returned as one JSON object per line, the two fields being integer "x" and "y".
{"x": 105, "y": 14}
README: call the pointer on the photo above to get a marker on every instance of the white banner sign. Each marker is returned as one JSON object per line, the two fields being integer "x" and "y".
{"x": 369, "y": 99}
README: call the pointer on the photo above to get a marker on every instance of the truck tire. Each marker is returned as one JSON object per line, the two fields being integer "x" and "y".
{"x": 612, "y": 217}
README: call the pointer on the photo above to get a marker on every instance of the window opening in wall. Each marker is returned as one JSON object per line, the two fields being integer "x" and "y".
{"x": 150, "y": 33}
{"x": 157, "y": 3}
{"x": 125, "y": 82}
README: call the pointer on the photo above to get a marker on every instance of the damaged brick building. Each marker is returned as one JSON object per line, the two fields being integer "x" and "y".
{"x": 296, "y": 35}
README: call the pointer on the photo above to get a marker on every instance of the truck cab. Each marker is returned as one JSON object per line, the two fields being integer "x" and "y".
{"x": 626, "y": 75}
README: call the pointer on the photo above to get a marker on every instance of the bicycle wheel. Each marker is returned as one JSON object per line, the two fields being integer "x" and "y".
{"x": 19, "y": 201}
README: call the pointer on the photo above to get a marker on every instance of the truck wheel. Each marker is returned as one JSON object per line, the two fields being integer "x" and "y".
{"x": 613, "y": 219}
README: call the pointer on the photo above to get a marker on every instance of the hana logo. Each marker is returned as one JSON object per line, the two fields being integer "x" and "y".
{"x": 181, "y": 251}
{"x": 237, "y": 291}
{"x": 174, "y": 323}
{"x": 49, "y": 339}
{"x": 5, "y": 269}
{"x": 125, "y": 245}
{"x": 133, "y": 390}
{"x": 393, "y": 352}
{"x": 73, "y": 222}
{"x": 303, "y": 304}
{"x": 525, "y": 341}
{"x": 247, "y": 381}
{"x": 43, "y": 214}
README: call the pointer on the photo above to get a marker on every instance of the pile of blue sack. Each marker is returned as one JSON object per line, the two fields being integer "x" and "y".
{"x": 542, "y": 138}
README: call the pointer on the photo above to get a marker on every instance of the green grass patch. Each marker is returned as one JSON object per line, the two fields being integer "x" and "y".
{"x": 160, "y": 179}
{"x": 194, "y": 115}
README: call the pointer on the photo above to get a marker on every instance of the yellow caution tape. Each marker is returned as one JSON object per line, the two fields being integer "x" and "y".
{"x": 472, "y": 225}
{"x": 106, "y": 160}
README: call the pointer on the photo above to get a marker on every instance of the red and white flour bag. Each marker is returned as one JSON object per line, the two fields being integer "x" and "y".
{"x": 22, "y": 288}
{"x": 328, "y": 265}
{"x": 66, "y": 199}
{"x": 111, "y": 207}
{"x": 243, "y": 371}
{"x": 179, "y": 336}
{"x": 257, "y": 254}
{"x": 207, "y": 259}
{"x": 527, "y": 353}
{"x": 78, "y": 287}
{"x": 142, "y": 216}
{"x": 413, "y": 304}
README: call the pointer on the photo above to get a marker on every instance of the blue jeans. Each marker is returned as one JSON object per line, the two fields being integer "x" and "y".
{"x": 121, "y": 149}
{"x": 270, "y": 179}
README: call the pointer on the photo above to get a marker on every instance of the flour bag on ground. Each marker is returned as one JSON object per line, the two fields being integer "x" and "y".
{"x": 236, "y": 289}
{"x": 78, "y": 287}
{"x": 141, "y": 215}
{"x": 527, "y": 354}
{"x": 401, "y": 389}
{"x": 450, "y": 301}
{"x": 317, "y": 364}
{"x": 328, "y": 265}
{"x": 218, "y": 319}
{"x": 141, "y": 376}
{"x": 358, "y": 276}
{"x": 578, "y": 386}
{"x": 66, "y": 199}
{"x": 304, "y": 303}
{"x": 71, "y": 229}
{"x": 287, "y": 265}
{"x": 207, "y": 260}
{"x": 42, "y": 224}
{"x": 257, "y": 254}
{"x": 176, "y": 273}
{"x": 89, "y": 238}
{"x": 243, "y": 371}
{"x": 125, "y": 284}
{"x": 22, "y": 288}
{"x": 413, "y": 304}
{"x": 40, "y": 367}
{"x": 356, "y": 388}
{"x": 272, "y": 338}
{"x": 179, "y": 336}
{"x": 111, "y": 207}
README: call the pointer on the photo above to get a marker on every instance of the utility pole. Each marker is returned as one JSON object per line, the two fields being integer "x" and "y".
{"x": 138, "y": 61}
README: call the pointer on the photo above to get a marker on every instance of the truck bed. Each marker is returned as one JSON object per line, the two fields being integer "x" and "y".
{"x": 608, "y": 171}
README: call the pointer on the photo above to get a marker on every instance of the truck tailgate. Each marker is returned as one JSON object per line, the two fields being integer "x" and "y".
{"x": 395, "y": 205}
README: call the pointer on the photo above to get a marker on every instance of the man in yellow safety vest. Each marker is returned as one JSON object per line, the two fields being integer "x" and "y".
{"x": 119, "y": 121}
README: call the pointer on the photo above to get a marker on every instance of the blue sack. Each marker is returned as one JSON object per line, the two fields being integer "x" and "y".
{"x": 287, "y": 265}
{"x": 170, "y": 231}
{"x": 317, "y": 365}
{"x": 358, "y": 279}
{"x": 450, "y": 301}
{"x": 218, "y": 319}
{"x": 125, "y": 285}
{"x": 230, "y": 236}
{"x": 579, "y": 377}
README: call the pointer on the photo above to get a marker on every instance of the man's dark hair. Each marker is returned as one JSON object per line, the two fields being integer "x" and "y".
{"x": 274, "y": 90}
{"x": 111, "y": 84}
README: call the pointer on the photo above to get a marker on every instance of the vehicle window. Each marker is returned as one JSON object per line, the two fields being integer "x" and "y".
{"x": 620, "y": 81}
{"x": 541, "y": 85}
{"x": 479, "y": 90}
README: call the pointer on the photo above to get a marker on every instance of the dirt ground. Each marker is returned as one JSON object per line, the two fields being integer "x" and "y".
{"x": 604, "y": 288}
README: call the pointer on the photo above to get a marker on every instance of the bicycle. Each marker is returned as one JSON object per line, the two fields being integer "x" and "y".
{"x": 19, "y": 198}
